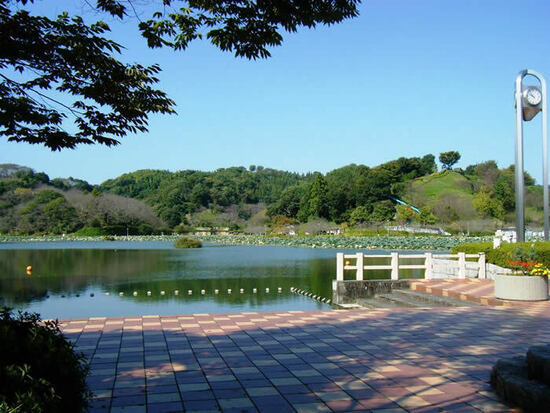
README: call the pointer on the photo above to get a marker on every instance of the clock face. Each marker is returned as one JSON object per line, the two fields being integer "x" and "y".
{"x": 533, "y": 96}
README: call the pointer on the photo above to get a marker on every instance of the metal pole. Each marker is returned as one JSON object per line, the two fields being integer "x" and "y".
{"x": 545, "y": 159}
{"x": 520, "y": 184}
{"x": 520, "y": 190}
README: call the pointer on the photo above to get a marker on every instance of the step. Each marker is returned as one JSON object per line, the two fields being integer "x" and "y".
{"x": 437, "y": 300}
{"x": 403, "y": 301}
{"x": 510, "y": 380}
{"x": 538, "y": 363}
{"x": 376, "y": 303}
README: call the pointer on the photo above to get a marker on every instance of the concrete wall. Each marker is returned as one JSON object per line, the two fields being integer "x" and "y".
{"x": 347, "y": 292}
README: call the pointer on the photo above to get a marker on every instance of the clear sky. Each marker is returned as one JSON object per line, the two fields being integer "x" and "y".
{"x": 405, "y": 78}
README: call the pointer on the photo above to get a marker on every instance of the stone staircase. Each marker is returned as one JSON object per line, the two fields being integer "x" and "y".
{"x": 399, "y": 298}
{"x": 525, "y": 381}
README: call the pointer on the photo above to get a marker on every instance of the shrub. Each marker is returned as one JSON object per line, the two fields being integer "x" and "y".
{"x": 187, "y": 243}
{"x": 90, "y": 232}
{"x": 507, "y": 252}
{"x": 39, "y": 369}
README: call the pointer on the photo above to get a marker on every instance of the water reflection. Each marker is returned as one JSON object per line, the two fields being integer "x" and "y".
{"x": 72, "y": 279}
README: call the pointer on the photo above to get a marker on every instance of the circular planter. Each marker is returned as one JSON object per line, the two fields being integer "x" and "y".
{"x": 517, "y": 287}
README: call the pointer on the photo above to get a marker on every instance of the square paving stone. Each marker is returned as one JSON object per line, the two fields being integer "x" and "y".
{"x": 311, "y": 408}
{"x": 163, "y": 397}
{"x": 201, "y": 405}
{"x": 234, "y": 393}
{"x": 138, "y": 399}
{"x": 243, "y": 402}
{"x": 171, "y": 407}
{"x": 197, "y": 395}
{"x": 187, "y": 387}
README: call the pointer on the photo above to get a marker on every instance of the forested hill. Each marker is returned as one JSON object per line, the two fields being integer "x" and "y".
{"x": 302, "y": 197}
{"x": 175, "y": 194}
{"x": 257, "y": 199}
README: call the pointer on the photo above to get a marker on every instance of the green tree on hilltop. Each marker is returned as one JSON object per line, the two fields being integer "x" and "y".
{"x": 448, "y": 159}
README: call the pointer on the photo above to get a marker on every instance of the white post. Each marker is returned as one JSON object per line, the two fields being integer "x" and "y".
{"x": 428, "y": 274}
{"x": 482, "y": 268}
{"x": 461, "y": 265}
{"x": 359, "y": 263}
{"x": 394, "y": 265}
{"x": 340, "y": 266}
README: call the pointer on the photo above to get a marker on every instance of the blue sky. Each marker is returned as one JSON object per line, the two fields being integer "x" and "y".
{"x": 405, "y": 78}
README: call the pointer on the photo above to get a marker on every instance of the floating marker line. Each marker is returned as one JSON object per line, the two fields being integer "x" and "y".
{"x": 310, "y": 295}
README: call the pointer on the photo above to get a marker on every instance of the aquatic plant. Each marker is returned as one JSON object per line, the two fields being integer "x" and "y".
{"x": 187, "y": 243}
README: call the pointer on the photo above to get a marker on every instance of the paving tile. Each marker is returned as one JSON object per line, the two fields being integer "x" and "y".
{"x": 170, "y": 407}
{"x": 232, "y": 393}
{"x": 129, "y": 409}
{"x": 419, "y": 360}
{"x": 198, "y": 395}
{"x": 242, "y": 402}
{"x": 311, "y": 408}
{"x": 187, "y": 387}
{"x": 128, "y": 400}
{"x": 163, "y": 397}
{"x": 201, "y": 405}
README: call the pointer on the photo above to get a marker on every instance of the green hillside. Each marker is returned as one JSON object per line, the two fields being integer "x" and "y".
{"x": 433, "y": 187}
{"x": 256, "y": 199}
{"x": 479, "y": 198}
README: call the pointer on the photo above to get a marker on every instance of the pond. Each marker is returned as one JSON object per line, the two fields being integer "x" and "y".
{"x": 124, "y": 278}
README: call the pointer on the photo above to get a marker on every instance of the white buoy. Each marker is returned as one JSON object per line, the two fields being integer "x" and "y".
{"x": 229, "y": 291}
{"x": 189, "y": 292}
{"x": 279, "y": 290}
{"x": 162, "y": 292}
{"x": 134, "y": 293}
{"x": 254, "y": 290}
{"x": 176, "y": 292}
{"x": 216, "y": 291}
{"x": 107, "y": 293}
{"x": 241, "y": 290}
{"x": 267, "y": 290}
{"x": 149, "y": 293}
{"x": 203, "y": 292}
{"x": 121, "y": 293}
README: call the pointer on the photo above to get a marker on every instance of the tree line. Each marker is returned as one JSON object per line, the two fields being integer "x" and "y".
{"x": 148, "y": 201}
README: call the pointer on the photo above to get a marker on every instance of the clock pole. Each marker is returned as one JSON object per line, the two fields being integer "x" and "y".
{"x": 529, "y": 101}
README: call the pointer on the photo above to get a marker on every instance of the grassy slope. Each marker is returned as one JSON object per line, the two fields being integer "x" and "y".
{"x": 430, "y": 189}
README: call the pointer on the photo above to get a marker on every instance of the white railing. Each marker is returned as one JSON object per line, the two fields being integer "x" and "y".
{"x": 357, "y": 262}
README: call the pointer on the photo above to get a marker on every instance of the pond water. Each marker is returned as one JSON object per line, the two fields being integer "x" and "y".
{"x": 124, "y": 278}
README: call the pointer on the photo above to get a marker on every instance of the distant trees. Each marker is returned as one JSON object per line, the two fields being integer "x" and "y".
{"x": 355, "y": 194}
{"x": 448, "y": 159}
{"x": 318, "y": 197}
{"x": 29, "y": 204}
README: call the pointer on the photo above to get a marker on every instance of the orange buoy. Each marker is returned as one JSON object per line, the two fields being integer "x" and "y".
{"x": 29, "y": 268}
{"x": 348, "y": 263}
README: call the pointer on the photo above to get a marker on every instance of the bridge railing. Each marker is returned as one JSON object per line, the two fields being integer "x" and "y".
{"x": 428, "y": 261}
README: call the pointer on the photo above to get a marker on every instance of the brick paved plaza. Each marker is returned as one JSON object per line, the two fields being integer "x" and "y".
{"x": 390, "y": 360}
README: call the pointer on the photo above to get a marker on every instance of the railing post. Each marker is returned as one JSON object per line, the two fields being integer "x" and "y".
{"x": 428, "y": 273}
{"x": 340, "y": 266}
{"x": 482, "y": 267}
{"x": 359, "y": 264}
{"x": 461, "y": 265}
{"x": 394, "y": 265}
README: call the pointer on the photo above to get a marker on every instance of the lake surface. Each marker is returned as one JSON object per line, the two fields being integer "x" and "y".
{"x": 124, "y": 278}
